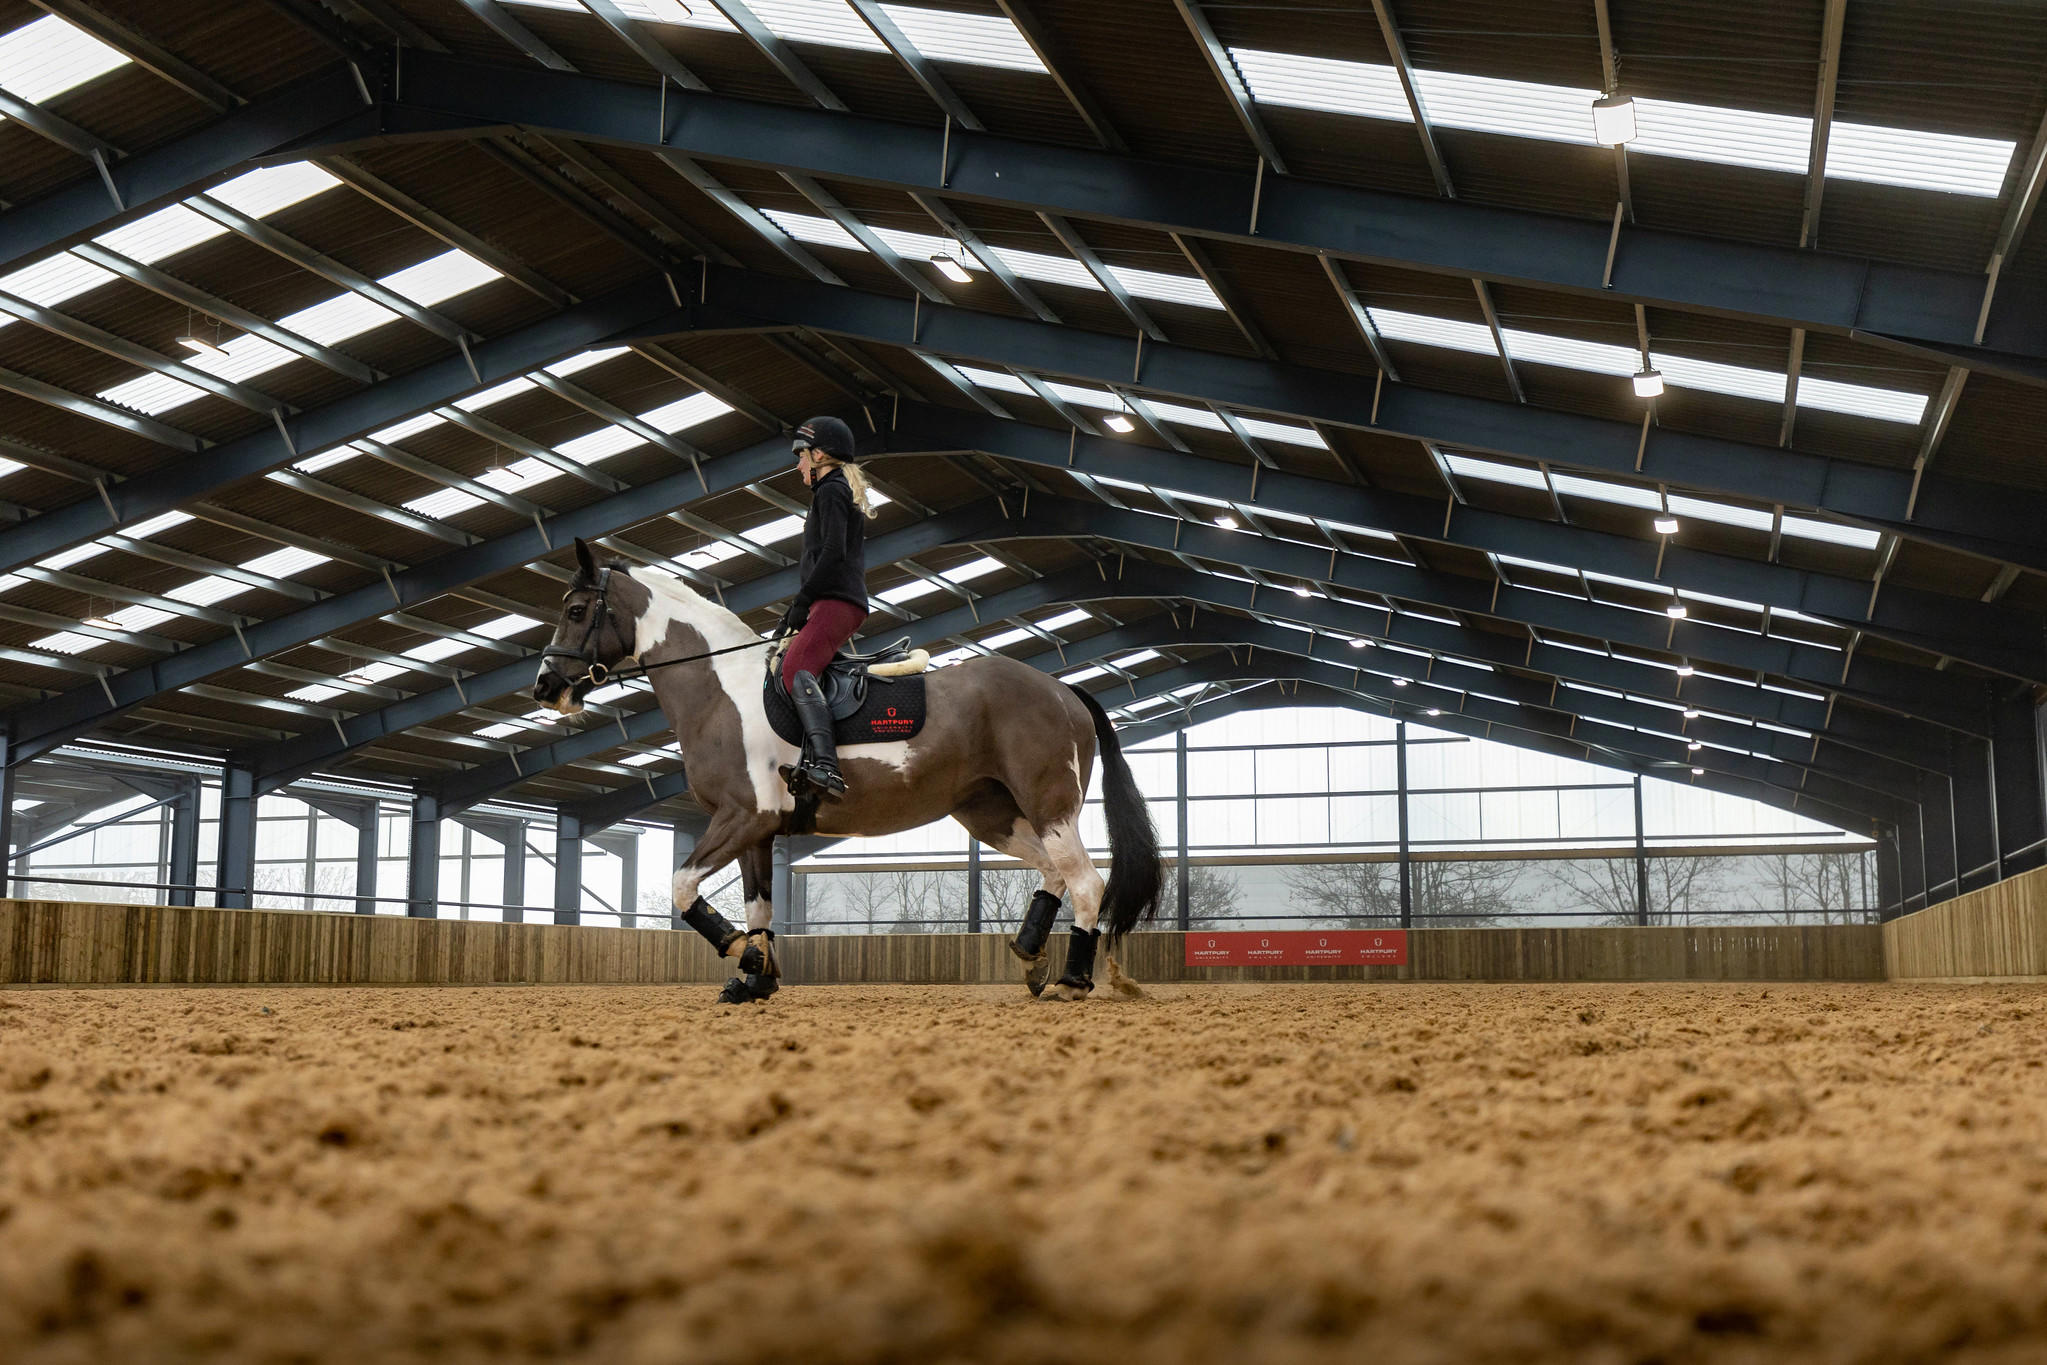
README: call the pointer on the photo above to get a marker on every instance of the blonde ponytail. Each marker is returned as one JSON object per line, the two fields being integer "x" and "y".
{"x": 856, "y": 481}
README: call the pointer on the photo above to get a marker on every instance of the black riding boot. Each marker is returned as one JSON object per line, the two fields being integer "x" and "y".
{"x": 818, "y": 769}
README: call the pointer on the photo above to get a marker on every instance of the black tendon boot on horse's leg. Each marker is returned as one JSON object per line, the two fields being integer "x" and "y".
{"x": 818, "y": 768}
{"x": 1031, "y": 935}
{"x": 1079, "y": 981}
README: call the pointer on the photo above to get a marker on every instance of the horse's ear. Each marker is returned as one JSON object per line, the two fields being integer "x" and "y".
{"x": 584, "y": 562}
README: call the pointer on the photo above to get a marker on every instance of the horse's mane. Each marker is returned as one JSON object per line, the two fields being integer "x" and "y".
{"x": 689, "y": 605}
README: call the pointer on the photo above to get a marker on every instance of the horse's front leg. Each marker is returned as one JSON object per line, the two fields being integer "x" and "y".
{"x": 732, "y": 833}
{"x": 762, "y": 971}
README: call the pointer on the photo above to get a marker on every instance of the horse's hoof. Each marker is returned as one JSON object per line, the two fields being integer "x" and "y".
{"x": 736, "y": 992}
{"x": 1071, "y": 991}
{"x": 758, "y": 957}
{"x": 1036, "y": 969}
{"x": 762, "y": 986}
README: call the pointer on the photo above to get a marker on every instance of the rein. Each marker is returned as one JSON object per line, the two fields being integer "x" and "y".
{"x": 598, "y": 674}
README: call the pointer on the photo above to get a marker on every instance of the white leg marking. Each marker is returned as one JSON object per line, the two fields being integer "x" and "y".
{"x": 1069, "y": 856}
{"x": 687, "y": 880}
{"x": 759, "y": 913}
{"x": 1024, "y": 845}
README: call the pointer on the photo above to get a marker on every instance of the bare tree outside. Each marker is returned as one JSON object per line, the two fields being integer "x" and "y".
{"x": 1681, "y": 889}
{"x": 1212, "y": 895}
{"x": 1807, "y": 888}
{"x": 1446, "y": 893}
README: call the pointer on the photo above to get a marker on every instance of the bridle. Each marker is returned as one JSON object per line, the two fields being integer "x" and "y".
{"x": 596, "y": 673}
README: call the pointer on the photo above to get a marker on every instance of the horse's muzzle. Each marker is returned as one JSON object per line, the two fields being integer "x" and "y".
{"x": 557, "y": 693}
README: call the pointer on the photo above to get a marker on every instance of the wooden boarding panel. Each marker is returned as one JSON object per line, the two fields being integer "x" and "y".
{"x": 2000, "y": 930}
{"x": 55, "y": 942}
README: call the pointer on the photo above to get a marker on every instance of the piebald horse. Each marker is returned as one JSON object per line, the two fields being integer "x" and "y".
{"x": 1005, "y": 750}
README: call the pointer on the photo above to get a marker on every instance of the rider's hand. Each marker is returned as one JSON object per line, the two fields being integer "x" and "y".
{"x": 793, "y": 619}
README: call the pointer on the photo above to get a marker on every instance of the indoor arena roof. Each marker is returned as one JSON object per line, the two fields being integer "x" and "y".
{"x": 1214, "y": 356}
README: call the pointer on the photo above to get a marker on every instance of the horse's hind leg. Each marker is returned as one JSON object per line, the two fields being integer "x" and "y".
{"x": 993, "y": 818}
{"x": 1069, "y": 858}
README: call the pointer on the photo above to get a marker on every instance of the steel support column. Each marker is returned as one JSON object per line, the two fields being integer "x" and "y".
{"x": 235, "y": 860}
{"x": 1641, "y": 861}
{"x": 1937, "y": 836}
{"x": 1183, "y": 874}
{"x": 626, "y": 848}
{"x": 423, "y": 858}
{"x": 7, "y": 770}
{"x": 1975, "y": 812}
{"x": 973, "y": 883}
{"x": 515, "y": 871}
{"x": 568, "y": 868}
{"x": 182, "y": 867}
{"x": 360, "y": 816}
{"x": 2015, "y": 735}
{"x": 1890, "y": 894}
{"x": 685, "y": 844}
{"x": 1406, "y": 862}
{"x": 779, "y": 881}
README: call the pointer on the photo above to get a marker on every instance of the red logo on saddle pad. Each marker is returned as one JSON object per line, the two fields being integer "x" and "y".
{"x": 1299, "y": 948}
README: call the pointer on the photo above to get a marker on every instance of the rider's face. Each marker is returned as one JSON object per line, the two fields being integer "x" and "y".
{"x": 806, "y": 463}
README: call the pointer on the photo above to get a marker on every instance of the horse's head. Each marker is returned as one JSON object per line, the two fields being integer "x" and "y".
{"x": 590, "y": 639}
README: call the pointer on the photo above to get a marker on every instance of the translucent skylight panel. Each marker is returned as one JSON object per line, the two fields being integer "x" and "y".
{"x": 1488, "y": 104}
{"x": 496, "y": 393}
{"x": 207, "y": 591}
{"x": 685, "y": 413}
{"x": 1432, "y": 331}
{"x": 338, "y": 319}
{"x": 163, "y": 233}
{"x": 642, "y": 760}
{"x": 327, "y": 459}
{"x": 1084, "y": 675}
{"x": 1598, "y": 490}
{"x": 830, "y": 23}
{"x": 433, "y": 651}
{"x": 1036, "y": 265}
{"x": 600, "y": 444}
{"x": 245, "y": 357}
{"x": 139, "y": 617}
{"x": 1004, "y": 639}
{"x": 76, "y": 555}
{"x": 1467, "y": 467}
{"x": 1133, "y": 660}
{"x": 1598, "y": 357}
{"x": 41, "y": 60}
{"x": 1191, "y": 290}
{"x": 1927, "y": 161}
{"x": 440, "y": 277}
{"x": 285, "y": 562}
{"x": 1732, "y": 137}
{"x": 411, "y": 426}
{"x": 504, "y": 729}
{"x": 922, "y": 246}
{"x": 768, "y": 532}
{"x": 1364, "y": 89}
{"x": 54, "y": 279}
{"x": 446, "y": 503}
{"x": 976, "y": 39}
{"x": 997, "y": 380}
{"x": 152, "y": 393}
{"x": 816, "y": 231}
{"x": 1186, "y": 416}
{"x": 143, "y": 530}
{"x": 1831, "y": 532}
{"x": 263, "y": 192}
{"x": 506, "y": 626}
{"x": 69, "y": 642}
{"x": 1859, "y": 400}
{"x": 316, "y": 692}
{"x": 575, "y": 364}
{"x": 1087, "y": 397}
{"x": 1064, "y": 619}
{"x": 1284, "y": 433}
{"x": 1727, "y": 514}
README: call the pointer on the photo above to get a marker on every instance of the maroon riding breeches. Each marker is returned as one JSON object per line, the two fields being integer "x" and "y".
{"x": 830, "y": 625}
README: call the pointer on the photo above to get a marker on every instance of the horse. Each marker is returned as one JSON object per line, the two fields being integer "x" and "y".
{"x": 1007, "y": 751}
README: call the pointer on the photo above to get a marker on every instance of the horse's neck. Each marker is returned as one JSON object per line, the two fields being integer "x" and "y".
{"x": 707, "y": 627}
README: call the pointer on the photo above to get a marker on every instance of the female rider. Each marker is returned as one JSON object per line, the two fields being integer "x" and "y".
{"x": 832, "y": 601}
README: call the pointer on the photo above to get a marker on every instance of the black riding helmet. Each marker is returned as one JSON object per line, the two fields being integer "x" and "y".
{"x": 830, "y": 435}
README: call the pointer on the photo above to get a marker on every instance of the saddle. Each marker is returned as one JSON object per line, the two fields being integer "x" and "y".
{"x": 873, "y": 697}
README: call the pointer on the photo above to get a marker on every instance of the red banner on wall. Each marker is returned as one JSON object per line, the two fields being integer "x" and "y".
{"x": 1299, "y": 948}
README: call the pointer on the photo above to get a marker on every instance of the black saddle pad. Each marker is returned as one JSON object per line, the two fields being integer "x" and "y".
{"x": 893, "y": 709}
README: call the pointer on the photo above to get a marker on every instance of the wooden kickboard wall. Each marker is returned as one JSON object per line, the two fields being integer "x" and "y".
{"x": 1998, "y": 931}
{"x": 56, "y": 942}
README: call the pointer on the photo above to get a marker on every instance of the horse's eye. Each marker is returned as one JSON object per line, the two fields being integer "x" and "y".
{"x": 576, "y": 612}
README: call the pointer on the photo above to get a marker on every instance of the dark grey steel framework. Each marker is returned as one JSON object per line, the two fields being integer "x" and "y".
{"x": 1947, "y": 772}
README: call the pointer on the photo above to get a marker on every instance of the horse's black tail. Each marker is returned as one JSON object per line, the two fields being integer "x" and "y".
{"x": 1135, "y": 877}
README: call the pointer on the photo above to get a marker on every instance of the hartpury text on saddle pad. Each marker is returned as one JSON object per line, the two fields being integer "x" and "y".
{"x": 894, "y": 709}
